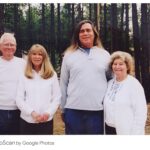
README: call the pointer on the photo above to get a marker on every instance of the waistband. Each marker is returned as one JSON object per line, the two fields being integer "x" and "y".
{"x": 10, "y": 111}
{"x": 84, "y": 111}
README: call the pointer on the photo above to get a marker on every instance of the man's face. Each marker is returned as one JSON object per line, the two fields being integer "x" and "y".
{"x": 8, "y": 48}
{"x": 86, "y": 35}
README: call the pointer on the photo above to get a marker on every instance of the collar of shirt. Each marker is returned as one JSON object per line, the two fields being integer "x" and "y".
{"x": 85, "y": 50}
{"x": 36, "y": 74}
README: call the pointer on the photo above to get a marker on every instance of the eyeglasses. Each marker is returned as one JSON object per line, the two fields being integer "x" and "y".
{"x": 9, "y": 45}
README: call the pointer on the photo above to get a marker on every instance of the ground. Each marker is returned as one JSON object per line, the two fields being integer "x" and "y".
{"x": 147, "y": 128}
{"x": 59, "y": 125}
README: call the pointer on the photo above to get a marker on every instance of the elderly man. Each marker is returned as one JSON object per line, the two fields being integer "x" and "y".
{"x": 10, "y": 69}
{"x": 83, "y": 81}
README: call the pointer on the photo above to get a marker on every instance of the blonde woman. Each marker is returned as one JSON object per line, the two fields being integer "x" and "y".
{"x": 124, "y": 104}
{"x": 38, "y": 95}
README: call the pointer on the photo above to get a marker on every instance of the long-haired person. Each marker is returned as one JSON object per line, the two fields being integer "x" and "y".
{"x": 124, "y": 103}
{"x": 83, "y": 81}
{"x": 38, "y": 95}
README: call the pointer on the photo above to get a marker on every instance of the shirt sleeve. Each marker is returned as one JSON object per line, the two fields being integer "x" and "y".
{"x": 56, "y": 96}
{"x": 21, "y": 97}
{"x": 139, "y": 109}
{"x": 109, "y": 74}
{"x": 64, "y": 80}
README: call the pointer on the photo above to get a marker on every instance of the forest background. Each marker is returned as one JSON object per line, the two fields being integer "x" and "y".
{"x": 121, "y": 26}
{"x": 124, "y": 27}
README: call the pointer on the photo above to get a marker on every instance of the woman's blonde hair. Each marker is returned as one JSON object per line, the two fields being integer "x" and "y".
{"x": 126, "y": 57}
{"x": 47, "y": 70}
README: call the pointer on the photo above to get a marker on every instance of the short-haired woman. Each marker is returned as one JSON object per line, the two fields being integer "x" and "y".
{"x": 124, "y": 103}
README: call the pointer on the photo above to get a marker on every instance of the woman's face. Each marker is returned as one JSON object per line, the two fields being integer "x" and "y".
{"x": 37, "y": 59}
{"x": 119, "y": 68}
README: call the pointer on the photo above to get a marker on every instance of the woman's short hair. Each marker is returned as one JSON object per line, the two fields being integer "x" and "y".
{"x": 75, "y": 42}
{"x": 47, "y": 70}
{"x": 126, "y": 57}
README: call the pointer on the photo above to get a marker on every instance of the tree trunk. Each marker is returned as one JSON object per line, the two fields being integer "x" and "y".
{"x": 16, "y": 30}
{"x": 121, "y": 31}
{"x": 80, "y": 14}
{"x": 29, "y": 27}
{"x": 136, "y": 41}
{"x": 126, "y": 48}
{"x": 90, "y": 11}
{"x": 73, "y": 18}
{"x": 114, "y": 43}
{"x": 105, "y": 27}
{"x": 59, "y": 33}
{"x": 52, "y": 36}
{"x": 1, "y": 19}
{"x": 43, "y": 26}
{"x": 144, "y": 46}
{"x": 96, "y": 16}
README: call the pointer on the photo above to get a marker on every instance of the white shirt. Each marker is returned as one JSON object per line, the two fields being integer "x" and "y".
{"x": 10, "y": 70}
{"x": 39, "y": 95}
{"x": 128, "y": 110}
{"x": 110, "y": 96}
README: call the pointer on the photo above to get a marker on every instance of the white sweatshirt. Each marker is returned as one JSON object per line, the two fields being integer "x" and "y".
{"x": 126, "y": 110}
{"x": 83, "y": 79}
{"x": 39, "y": 95}
{"x": 9, "y": 76}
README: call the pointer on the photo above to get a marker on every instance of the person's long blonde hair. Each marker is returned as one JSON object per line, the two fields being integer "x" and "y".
{"x": 47, "y": 70}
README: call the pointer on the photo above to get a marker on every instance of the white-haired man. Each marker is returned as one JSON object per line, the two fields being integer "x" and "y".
{"x": 10, "y": 69}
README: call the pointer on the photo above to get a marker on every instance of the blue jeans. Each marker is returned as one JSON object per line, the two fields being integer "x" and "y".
{"x": 83, "y": 122}
{"x": 9, "y": 122}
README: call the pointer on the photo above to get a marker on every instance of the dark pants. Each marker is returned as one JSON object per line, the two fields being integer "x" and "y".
{"x": 110, "y": 130}
{"x": 9, "y": 122}
{"x": 45, "y": 128}
{"x": 83, "y": 122}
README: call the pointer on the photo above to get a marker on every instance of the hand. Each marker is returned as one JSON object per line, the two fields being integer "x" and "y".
{"x": 37, "y": 117}
{"x": 45, "y": 117}
{"x": 40, "y": 118}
